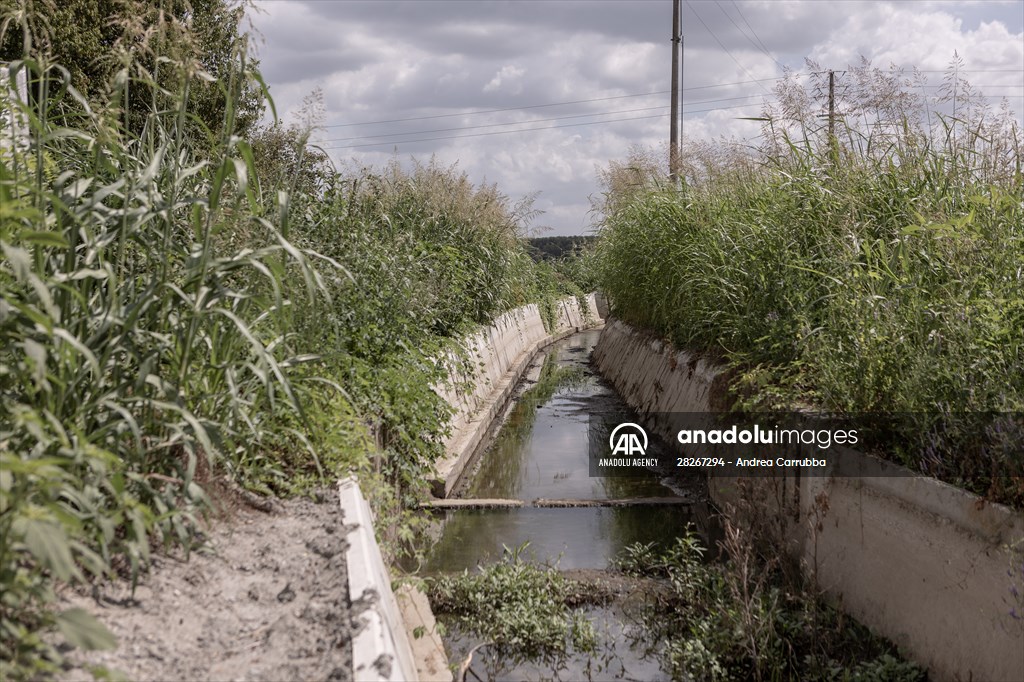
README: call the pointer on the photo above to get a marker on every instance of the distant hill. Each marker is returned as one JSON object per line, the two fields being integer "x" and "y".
{"x": 554, "y": 248}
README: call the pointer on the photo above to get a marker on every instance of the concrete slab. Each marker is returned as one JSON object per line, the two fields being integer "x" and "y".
{"x": 480, "y": 503}
{"x": 380, "y": 647}
{"x": 623, "y": 502}
{"x": 421, "y": 628}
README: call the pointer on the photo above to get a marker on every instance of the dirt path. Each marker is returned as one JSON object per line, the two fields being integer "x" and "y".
{"x": 269, "y": 602}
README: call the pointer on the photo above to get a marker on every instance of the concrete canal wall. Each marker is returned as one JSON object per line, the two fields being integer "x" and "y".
{"x": 498, "y": 355}
{"x": 925, "y": 564}
{"x": 385, "y": 648}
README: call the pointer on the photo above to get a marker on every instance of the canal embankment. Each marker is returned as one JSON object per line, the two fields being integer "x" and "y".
{"x": 927, "y": 565}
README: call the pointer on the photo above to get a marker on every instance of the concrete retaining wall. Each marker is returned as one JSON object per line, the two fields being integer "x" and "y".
{"x": 381, "y": 651}
{"x": 384, "y": 649}
{"x": 498, "y": 356}
{"x": 925, "y": 564}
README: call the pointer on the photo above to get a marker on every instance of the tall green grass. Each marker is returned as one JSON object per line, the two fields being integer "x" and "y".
{"x": 184, "y": 311}
{"x": 137, "y": 360}
{"x": 880, "y": 271}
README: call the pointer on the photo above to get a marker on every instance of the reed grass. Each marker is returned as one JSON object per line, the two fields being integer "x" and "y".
{"x": 184, "y": 309}
{"x": 879, "y": 271}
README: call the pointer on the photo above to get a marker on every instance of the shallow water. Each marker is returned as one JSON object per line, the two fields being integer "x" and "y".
{"x": 623, "y": 653}
{"x": 544, "y": 449}
{"x": 582, "y": 537}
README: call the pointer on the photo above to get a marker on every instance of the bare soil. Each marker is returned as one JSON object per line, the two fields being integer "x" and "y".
{"x": 267, "y": 599}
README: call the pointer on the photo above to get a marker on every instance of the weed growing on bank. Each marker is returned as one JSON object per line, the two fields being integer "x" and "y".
{"x": 737, "y": 621}
{"x": 517, "y": 607}
{"x": 876, "y": 271}
{"x": 185, "y": 310}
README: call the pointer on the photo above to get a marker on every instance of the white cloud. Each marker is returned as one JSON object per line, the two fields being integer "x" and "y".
{"x": 908, "y": 37}
{"x": 510, "y": 77}
{"x": 384, "y": 60}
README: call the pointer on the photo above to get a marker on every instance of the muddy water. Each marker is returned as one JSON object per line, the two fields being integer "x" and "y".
{"x": 543, "y": 451}
{"x": 543, "y": 447}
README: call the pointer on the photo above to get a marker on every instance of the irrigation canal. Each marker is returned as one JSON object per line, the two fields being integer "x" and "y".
{"x": 531, "y": 487}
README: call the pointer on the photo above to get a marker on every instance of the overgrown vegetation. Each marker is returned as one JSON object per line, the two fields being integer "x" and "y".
{"x": 876, "y": 270}
{"x": 737, "y": 621}
{"x": 517, "y": 607}
{"x": 557, "y": 248}
{"x": 189, "y": 305}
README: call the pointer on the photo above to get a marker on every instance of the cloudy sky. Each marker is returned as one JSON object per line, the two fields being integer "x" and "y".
{"x": 534, "y": 95}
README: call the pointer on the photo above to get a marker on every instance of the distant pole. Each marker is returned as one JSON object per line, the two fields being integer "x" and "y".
{"x": 833, "y": 143}
{"x": 831, "y": 106}
{"x": 673, "y": 137}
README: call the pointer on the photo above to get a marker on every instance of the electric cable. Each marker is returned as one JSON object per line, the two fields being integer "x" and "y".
{"x": 720, "y": 44}
{"x": 529, "y": 130}
{"x": 743, "y": 33}
{"x": 552, "y": 104}
{"x": 539, "y": 120}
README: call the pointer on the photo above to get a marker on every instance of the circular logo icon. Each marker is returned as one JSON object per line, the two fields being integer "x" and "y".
{"x": 628, "y": 439}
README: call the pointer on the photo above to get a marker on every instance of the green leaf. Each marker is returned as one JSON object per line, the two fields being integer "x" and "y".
{"x": 44, "y": 238}
{"x": 82, "y": 630}
{"x": 49, "y": 544}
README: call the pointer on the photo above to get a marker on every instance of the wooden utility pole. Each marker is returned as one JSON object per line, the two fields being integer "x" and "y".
{"x": 831, "y": 106}
{"x": 673, "y": 137}
{"x": 833, "y": 143}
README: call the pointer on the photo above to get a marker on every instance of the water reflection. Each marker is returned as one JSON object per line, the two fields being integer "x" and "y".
{"x": 543, "y": 447}
{"x": 571, "y": 538}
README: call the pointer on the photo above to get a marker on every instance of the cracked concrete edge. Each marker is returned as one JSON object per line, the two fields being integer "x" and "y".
{"x": 381, "y": 651}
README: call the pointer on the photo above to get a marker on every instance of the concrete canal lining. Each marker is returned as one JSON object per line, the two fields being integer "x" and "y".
{"x": 397, "y": 638}
{"x": 386, "y": 647}
{"x": 499, "y": 354}
{"x": 925, "y": 564}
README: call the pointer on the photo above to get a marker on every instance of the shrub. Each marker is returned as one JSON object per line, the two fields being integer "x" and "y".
{"x": 874, "y": 272}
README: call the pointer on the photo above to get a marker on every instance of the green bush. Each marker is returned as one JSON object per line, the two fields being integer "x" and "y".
{"x": 516, "y": 605}
{"x": 875, "y": 273}
{"x": 180, "y": 304}
{"x": 137, "y": 361}
{"x": 736, "y": 621}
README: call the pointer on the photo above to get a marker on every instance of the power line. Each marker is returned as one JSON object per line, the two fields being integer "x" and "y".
{"x": 552, "y": 104}
{"x": 752, "y": 31}
{"x": 529, "y": 130}
{"x": 761, "y": 47}
{"x": 498, "y": 132}
{"x": 495, "y": 111}
{"x": 720, "y": 44}
{"x": 498, "y": 125}
{"x": 972, "y": 70}
{"x": 539, "y": 120}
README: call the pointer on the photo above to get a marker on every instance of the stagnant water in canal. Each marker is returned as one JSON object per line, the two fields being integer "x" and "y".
{"x": 543, "y": 449}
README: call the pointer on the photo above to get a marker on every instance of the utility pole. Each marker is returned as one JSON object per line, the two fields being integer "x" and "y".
{"x": 831, "y": 106}
{"x": 673, "y": 137}
{"x": 833, "y": 143}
